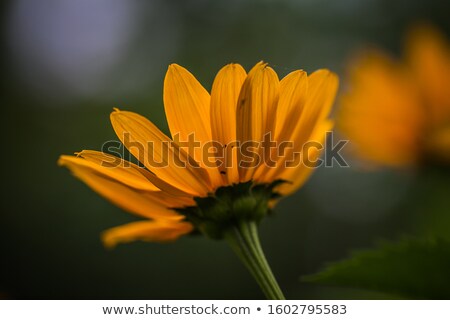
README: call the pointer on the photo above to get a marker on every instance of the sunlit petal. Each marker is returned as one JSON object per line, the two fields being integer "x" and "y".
{"x": 224, "y": 98}
{"x": 256, "y": 114}
{"x": 157, "y": 152}
{"x": 154, "y": 231}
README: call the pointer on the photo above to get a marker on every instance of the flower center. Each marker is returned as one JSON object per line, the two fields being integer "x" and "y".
{"x": 229, "y": 206}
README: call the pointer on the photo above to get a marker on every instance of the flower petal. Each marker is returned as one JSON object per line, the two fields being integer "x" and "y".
{"x": 224, "y": 98}
{"x": 148, "y": 204}
{"x": 293, "y": 95}
{"x": 159, "y": 154}
{"x": 115, "y": 165}
{"x": 381, "y": 114}
{"x": 292, "y": 99}
{"x": 299, "y": 174}
{"x": 155, "y": 231}
{"x": 322, "y": 88}
{"x": 256, "y": 114}
{"x": 112, "y": 167}
{"x": 428, "y": 54}
{"x": 187, "y": 106}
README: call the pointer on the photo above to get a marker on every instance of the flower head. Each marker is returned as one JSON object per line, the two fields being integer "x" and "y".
{"x": 223, "y": 162}
{"x": 398, "y": 113}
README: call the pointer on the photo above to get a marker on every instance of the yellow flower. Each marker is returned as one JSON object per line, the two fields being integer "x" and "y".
{"x": 398, "y": 113}
{"x": 189, "y": 191}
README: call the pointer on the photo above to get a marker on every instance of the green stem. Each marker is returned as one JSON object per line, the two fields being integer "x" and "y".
{"x": 244, "y": 240}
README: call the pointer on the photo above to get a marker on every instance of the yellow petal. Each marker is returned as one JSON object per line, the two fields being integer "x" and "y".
{"x": 155, "y": 231}
{"x": 381, "y": 113}
{"x": 428, "y": 53}
{"x": 256, "y": 114}
{"x": 298, "y": 175}
{"x": 115, "y": 165}
{"x": 292, "y": 99}
{"x": 187, "y": 106}
{"x": 148, "y": 204}
{"x": 293, "y": 94}
{"x": 322, "y": 89}
{"x": 224, "y": 98}
{"x": 112, "y": 167}
{"x": 159, "y": 154}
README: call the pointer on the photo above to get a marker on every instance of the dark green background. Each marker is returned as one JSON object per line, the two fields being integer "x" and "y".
{"x": 50, "y": 222}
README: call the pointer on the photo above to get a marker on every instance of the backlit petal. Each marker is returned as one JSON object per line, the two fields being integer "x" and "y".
{"x": 293, "y": 95}
{"x": 159, "y": 154}
{"x": 300, "y": 173}
{"x": 148, "y": 204}
{"x": 256, "y": 115}
{"x": 322, "y": 88}
{"x": 291, "y": 102}
{"x": 224, "y": 97}
{"x": 154, "y": 231}
{"x": 187, "y": 106}
{"x": 114, "y": 164}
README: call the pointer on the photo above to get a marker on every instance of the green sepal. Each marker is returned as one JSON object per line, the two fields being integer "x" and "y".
{"x": 229, "y": 205}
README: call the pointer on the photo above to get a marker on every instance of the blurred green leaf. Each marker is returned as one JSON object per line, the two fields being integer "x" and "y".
{"x": 410, "y": 268}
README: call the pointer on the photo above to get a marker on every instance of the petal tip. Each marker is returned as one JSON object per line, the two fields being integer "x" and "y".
{"x": 63, "y": 159}
{"x": 116, "y": 112}
{"x": 174, "y": 67}
{"x": 327, "y": 75}
{"x": 262, "y": 64}
{"x": 60, "y": 161}
{"x": 107, "y": 240}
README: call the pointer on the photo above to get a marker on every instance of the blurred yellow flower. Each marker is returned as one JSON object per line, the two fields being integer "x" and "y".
{"x": 175, "y": 199}
{"x": 398, "y": 113}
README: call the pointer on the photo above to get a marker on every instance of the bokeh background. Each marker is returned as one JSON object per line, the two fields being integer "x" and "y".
{"x": 65, "y": 64}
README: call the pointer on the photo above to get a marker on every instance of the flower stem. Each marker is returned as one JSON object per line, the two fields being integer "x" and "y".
{"x": 244, "y": 240}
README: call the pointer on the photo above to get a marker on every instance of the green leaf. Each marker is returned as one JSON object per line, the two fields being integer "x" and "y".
{"x": 411, "y": 268}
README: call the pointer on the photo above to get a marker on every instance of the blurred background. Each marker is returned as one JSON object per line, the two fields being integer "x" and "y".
{"x": 65, "y": 64}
